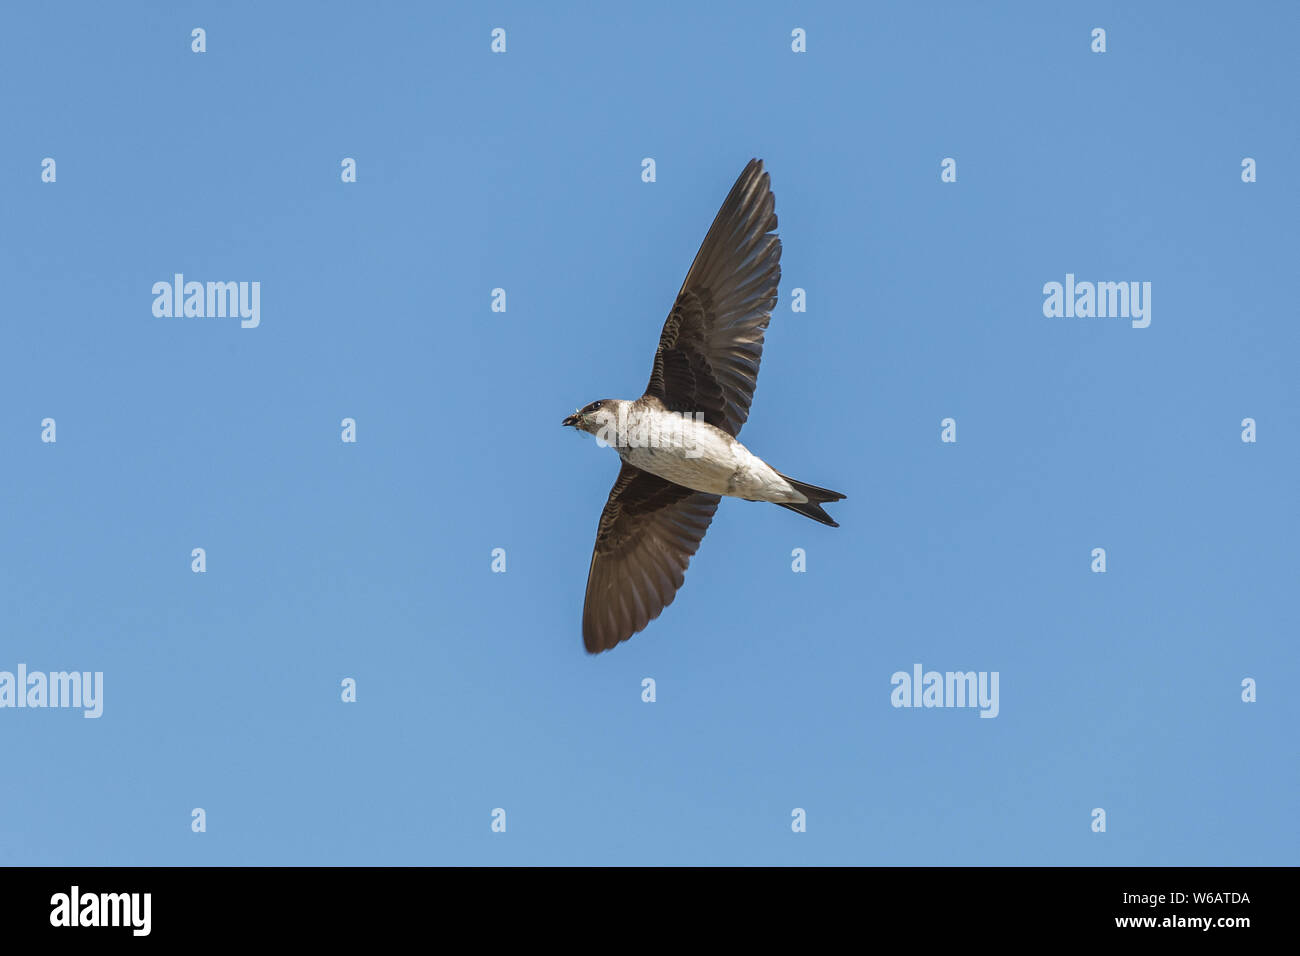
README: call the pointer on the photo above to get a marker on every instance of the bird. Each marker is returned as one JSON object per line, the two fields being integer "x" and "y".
{"x": 678, "y": 441}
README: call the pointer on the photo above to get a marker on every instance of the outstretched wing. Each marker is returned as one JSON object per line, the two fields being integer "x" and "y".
{"x": 648, "y": 532}
{"x": 712, "y": 340}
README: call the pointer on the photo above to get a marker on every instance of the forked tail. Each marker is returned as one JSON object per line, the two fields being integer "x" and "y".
{"x": 812, "y": 508}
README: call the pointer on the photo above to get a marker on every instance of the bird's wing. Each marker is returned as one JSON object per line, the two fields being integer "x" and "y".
{"x": 712, "y": 340}
{"x": 648, "y": 532}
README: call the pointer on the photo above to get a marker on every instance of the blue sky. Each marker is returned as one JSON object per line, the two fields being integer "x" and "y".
{"x": 522, "y": 171}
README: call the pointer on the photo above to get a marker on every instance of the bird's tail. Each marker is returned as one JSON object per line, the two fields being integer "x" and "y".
{"x": 812, "y": 508}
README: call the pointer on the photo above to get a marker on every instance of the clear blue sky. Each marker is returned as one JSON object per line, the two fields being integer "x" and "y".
{"x": 372, "y": 560}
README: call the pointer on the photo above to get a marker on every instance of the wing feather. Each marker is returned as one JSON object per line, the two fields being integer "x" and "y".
{"x": 712, "y": 341}
{"x": 648, "y": 532}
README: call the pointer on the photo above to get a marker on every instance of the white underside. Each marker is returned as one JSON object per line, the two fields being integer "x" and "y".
{"x": 696, "y": 455}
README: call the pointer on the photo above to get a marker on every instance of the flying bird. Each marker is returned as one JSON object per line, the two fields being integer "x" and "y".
{"x": 678, "y": 441}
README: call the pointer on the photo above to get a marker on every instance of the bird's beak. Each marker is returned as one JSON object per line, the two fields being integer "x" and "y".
{"x": 571, "y": 421}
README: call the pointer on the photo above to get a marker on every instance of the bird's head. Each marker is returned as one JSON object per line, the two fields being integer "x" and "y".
{"x": 591, "y": 418}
